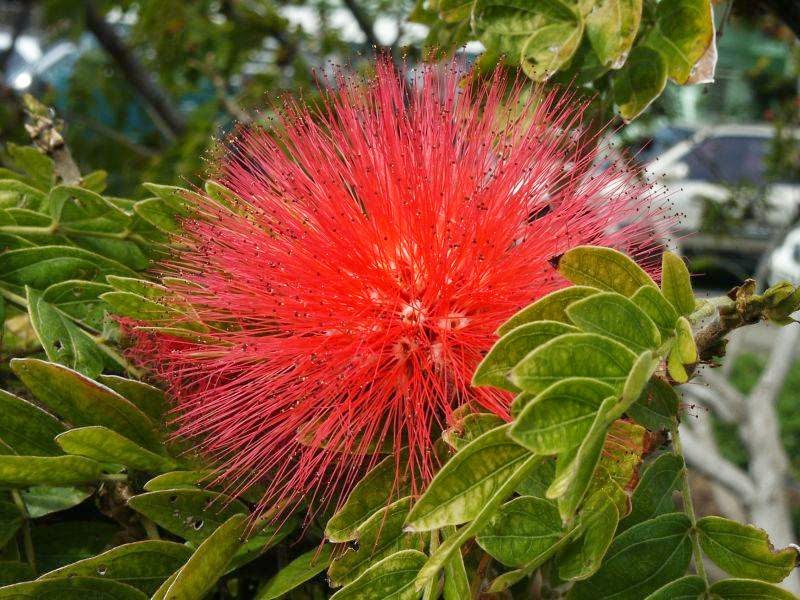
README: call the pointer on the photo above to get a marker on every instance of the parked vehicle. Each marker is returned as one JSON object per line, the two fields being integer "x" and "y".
{"x": 784, "y": 262}
{"x": 731, "y": 203}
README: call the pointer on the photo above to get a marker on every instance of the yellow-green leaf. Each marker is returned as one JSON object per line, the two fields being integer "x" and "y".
{"x": 390, "y": 579}
{"x": 559, "y": 418}
{"x": 574, "y": 355}
{"x": 676, "y": 283}
{"x": 296, "y": 573}
{"x": 379, "y": 536}
{"x": 612, "y": 26}
{"x": 208, "y": 563}
{"x": 466, "y": 482}
{"x": 513, "y": 347}
{"x": 83, "y": 402}
{"x": 521, "y": 531}
{"x": 617, "y": 317}
{"x": 683, "y": 32}
{"x": 603, "y": 268}
{"x": 105, "y": 445}
{"x": 640, "y": 81}
{"x": 641, "y": 560}
{"x": 143, "y": 565}
{"x": 25, "y": 471}
{"x": 743, "y": 550}
{"x": 551, "y": 307}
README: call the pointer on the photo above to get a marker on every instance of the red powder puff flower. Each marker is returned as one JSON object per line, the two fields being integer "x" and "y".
{"x": 378, "y": 241}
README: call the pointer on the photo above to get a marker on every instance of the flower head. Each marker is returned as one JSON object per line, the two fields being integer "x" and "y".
{"x": 376, "y": 243}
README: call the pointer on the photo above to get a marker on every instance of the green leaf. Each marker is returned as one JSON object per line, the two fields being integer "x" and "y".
{"x": 19, "y": 190}
{"x": 639, "y": 377}
{"x": 261, "y": 542}
{"x": 573, "y": 479}
{"x": 379, "y": 536}
{"x": 462, "y": 487}
{"x": 658, "y": 308}
{"x": 25, "y": 471}
{"x": 209, "y": 562}
{"x": 80, "y": 211}
{"x": 61, "y": 543}
{"x": 79, "y": 300}
{"x": 506, "y": 580}
{"x": 134, "y": 306}
{"x": 598, "y": 522}
{"x": 640, "y": 560}
{"x": 32, "y": 162}
{"x": 684, "y": 30}
{"x": 95, "y": 181}
{"x": 26, "y": 428}
{"x": 148, "y": 399}
{"x": 743, "y": 550}
{"x": 676, "y": 284}
{"x": 552, "y": 307}
{"x": 748, "y": 589}
{"x": 176, "y": 197}
{"x": 544, "y": 35}
{"x": 296, "y": 573}
{"x": 685, "y": 344}
{"x": 574, "y": 355}
{"x": 689, "y": 587}
{"x": 190, "y": 514}
{"x": 537, "y": 482}
{"x": 612, "y": 26}
{"x": 640, "y": 81}
{"x": 103, "y": 444}
{"x": 42, "y": 266}
{"x": 159, "y": 213}
{"x": 523, "y": 530}
{"x": 198, "y": 480}
{"x": 372, "y": 493}
{"x": 390, "y": 579}
{"x": 675, "y": 368}
{"x": 63, "y": 341}
{"x": 140, "y": 287}
{"x": 14, "y": 572}
{"x": 442, "y": 556}
{"x": 456, "y": 583}
{"x": 143, "y": 565}
{"x": 657, "y": 406}
{"x": 469, "y": 428}
{"x": 44, "y": 500}
{"x": 603, "y": 268}
{"x": 10, "y": 521}
{"x": 560, "y": 417}
{"x": 83, "y": 402}
{"x": 513, "y": 347}
{"x": 653, "y": 495}
{"x": 613, "y": 315}
{"x": 72, "y": 588}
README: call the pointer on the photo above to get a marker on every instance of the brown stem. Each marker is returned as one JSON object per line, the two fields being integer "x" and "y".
{"x": 45, "y": 132}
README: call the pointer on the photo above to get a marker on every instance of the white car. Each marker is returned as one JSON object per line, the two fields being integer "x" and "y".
{"x": 784, "y": 262}
{"x": 714, "y": 164}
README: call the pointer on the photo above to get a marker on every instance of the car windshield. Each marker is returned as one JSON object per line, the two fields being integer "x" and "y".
{"x": 729, "y": 159}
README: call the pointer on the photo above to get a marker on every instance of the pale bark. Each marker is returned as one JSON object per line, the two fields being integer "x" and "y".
{"x": 761, "y": 491}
